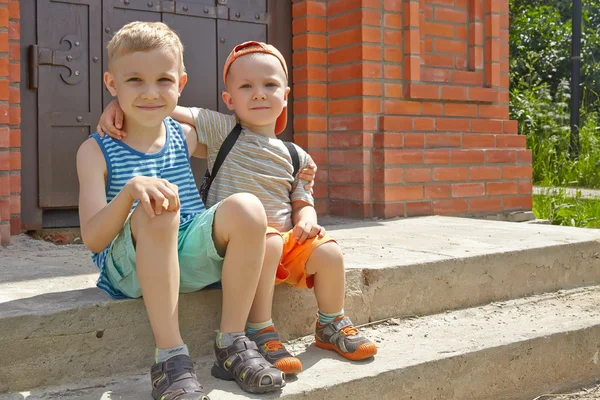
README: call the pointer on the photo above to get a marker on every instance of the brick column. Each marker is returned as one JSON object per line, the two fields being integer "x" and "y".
{"x": 417, "y": 107}
{"x": 515, "y": 170}
{"x": 354, "y": 97}
{"x": 10, "y": 156}
{"x": 309, "y": 88}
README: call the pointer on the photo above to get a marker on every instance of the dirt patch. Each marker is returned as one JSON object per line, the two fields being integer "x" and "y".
{"x": 58, "y": 236}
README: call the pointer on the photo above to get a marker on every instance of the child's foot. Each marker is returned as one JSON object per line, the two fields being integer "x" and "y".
{"x": 243, "y": 363}
{"x": 175, "y": 379}
{"x": 343, "y": 337}
{"x": 270, "y": 346}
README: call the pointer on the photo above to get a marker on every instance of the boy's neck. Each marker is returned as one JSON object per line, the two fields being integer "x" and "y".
{"x": 143, "y": 137}
{"x": 262, "y": 130}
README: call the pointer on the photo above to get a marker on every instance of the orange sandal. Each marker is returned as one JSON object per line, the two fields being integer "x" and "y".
{"x": 343, "y": 337}
{"x": 270, "y": 346}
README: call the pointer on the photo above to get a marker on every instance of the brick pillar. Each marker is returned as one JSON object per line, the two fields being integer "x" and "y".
{"x": 416, "y": 104}
{"x": 309, "y": 89}
{"x": 10, "y": 157}
{"x": 354, "y": 97}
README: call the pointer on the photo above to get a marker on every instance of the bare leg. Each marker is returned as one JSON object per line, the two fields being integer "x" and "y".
{"x": 158, "y": 271}
{"x": 262, "y": 305}
{"x": 326, "y": 263}
{"x": 239, "y": 232}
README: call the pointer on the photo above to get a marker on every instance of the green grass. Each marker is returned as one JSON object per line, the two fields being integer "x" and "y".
{"x": 567, "y": 211}
{"x": 543, "y": 116}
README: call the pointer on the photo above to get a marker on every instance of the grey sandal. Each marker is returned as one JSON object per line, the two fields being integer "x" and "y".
{"x": 175, "y": 379}
{"x": 243, "y": 363}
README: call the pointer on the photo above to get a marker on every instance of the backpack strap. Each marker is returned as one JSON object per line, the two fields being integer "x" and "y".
{"x": 225, "y": 148}
{"x": 294, "y": 154}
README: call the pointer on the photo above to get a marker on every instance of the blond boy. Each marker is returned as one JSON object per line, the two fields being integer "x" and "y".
{"x": 150, "y": 234}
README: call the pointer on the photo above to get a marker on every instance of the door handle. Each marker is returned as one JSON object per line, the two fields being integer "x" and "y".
{"x": 34, "y": 61}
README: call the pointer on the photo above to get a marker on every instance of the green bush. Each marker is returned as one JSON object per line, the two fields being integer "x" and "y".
{"x": 540, "y": 41}
{"x": 540, "y": 44}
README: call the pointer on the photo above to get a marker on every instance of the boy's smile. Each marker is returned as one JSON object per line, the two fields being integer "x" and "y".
{"x": 257, "y": 91}
{"x": 147, "y": 85}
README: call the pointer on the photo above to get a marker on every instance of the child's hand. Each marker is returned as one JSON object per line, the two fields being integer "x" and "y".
{"x": 154, "y": 194}
{"x": 111, "y": 121}
{"x": 307, "y": 230}
{"x": 308, "y": 174}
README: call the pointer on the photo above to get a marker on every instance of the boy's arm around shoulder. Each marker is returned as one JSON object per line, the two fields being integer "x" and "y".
{"x": 212, "y": 127}
{"x": 304, "y": 215}
{"x": 195, "y": 149}
{"x": 100, "y": 223}
{"x": 183, "y": 115}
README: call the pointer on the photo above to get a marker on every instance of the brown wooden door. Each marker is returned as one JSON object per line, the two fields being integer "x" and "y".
{"x": 69, "y": 92}
{"x": 69, "y": 103}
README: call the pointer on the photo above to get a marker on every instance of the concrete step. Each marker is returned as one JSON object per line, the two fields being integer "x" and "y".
{"x": 516, "y": 349}
{"x": 56, "y": 327}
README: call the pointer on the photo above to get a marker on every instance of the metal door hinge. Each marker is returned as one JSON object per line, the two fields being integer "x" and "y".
{"x": 70, "y": 59}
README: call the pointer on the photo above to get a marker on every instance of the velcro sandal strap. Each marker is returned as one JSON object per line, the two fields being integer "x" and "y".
{"x": 237, "y": 347}
{"x": 263, "y": 338}
{"x": 174, "y": 378}
{"x": 245, "y": 358}
{"x": 341, "y": 324}
{"x": 177, "y": 364}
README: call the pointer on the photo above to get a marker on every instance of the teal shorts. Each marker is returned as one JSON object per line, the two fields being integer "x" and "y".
{"x": 199, "y": 263}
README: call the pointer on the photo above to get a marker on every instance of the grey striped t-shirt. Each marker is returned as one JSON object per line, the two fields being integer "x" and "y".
{"x": 256, "y": 164}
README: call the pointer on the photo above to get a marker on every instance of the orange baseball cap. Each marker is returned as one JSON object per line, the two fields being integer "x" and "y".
{"x": 259, "y": 47}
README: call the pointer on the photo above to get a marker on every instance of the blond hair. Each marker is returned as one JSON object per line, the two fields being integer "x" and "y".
{"x": 145, "y": 36}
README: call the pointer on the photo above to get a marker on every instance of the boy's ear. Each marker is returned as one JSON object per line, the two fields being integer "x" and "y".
{"x": 182, "y": 82}
{"x": 285, "y": 96}
{"x": 109, "y": 81}
{"x": 228, "y": 100}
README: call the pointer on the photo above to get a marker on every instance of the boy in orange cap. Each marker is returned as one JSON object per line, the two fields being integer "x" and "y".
{"x": 299, "y": 252}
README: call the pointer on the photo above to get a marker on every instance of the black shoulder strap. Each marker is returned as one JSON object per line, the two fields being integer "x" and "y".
{"x": 294, "y": 154}
{"x": 226, "y": 147}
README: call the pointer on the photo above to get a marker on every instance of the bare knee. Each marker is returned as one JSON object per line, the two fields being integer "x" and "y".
{"x": 166, "y": 223}
{"x": 274, "y": 246}
{"x": 328, "y": 255}
{"x": 245, "y": 212}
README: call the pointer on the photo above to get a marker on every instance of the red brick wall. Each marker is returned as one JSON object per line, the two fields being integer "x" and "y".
{"x": 402, "y": 103}
{"x": 10, "y": 118}
{"x": 404, "y": 106}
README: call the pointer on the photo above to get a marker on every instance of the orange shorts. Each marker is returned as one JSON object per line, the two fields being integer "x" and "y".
{"x": 292, "y": 267}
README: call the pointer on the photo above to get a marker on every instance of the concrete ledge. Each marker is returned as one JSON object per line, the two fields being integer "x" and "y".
{"x": 55, "y": 327}
{"x": 512, "y": 350}
{"x": 589, "y": 194}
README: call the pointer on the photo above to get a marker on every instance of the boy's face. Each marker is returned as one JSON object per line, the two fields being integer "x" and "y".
{"x": 147, "y": 85}
{"x": 256, "y": 89}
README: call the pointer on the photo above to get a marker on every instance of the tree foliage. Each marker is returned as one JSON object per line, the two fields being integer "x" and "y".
{"x": 540, "y": 44}
{"x": 540, "y": 75}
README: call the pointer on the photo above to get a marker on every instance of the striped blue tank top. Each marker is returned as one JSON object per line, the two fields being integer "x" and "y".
{"x": 172, "y": 163}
